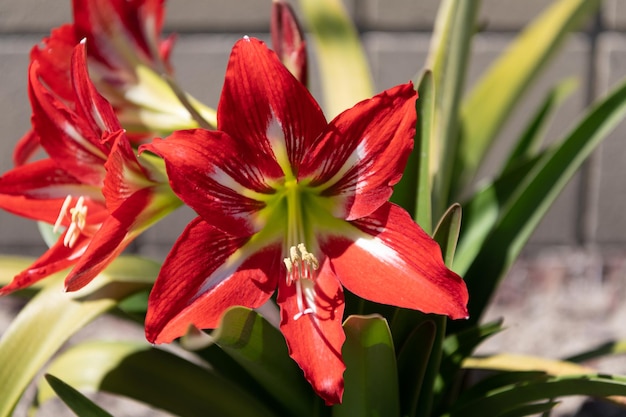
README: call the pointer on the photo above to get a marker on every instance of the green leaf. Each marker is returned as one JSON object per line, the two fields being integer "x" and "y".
{"x": 459, "y": 346}
{"x": 48, "y": 234}
{"x": 136, "y": 304}
{"x": 533, "y": 197}
{"x": 493, "y": 98}
{"x": 425, "y": 108}
{"x": 530, "y": 409}
{"x": 508, "y": 399}
{"x": 495, "y": 382}
{"x": 455, "y": 349}
{"x": 80, "y": 404}
{"x": 413, "y": 360}
{"x": 483, "y": 210}
{"x": 155, "y": 377}
{"x": 530, "y": 141}
{"x": 432, "y": 387}
{"x": 371, "y": 380}
{"x": 260, "y": 348}
{"x": 609, "y": 348}
{"x": 343, "y": 67}
{"x": 53, "y": 315}
{"x": 413, "y": 192}
{"x": 447, "y": 232}
{"x": 448, "y": 60}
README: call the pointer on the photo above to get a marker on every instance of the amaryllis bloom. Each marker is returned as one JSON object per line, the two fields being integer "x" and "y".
{"x": 128, "y": 61}
{"x": 43, "y": 191}
{"x": 93, "y": 185}
{"x": 289, "y": 201}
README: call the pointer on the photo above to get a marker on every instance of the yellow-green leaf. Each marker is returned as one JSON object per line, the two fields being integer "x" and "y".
{"x": 53, "y": 315}
{"x": 344, "y": 71}
{"x": 516, "y": 362}
{"x": 492, "y": 100}
{"x": 448, "y": 59}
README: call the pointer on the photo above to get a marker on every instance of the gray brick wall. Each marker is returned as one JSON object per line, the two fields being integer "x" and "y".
{"x": 396, "y": 36}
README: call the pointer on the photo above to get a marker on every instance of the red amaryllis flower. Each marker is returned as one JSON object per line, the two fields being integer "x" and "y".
{"x": 92, "y": 184}
{"x": 43, "y": 191}
{"x": 289, "y": 201}
{"x": 127, "y": 60}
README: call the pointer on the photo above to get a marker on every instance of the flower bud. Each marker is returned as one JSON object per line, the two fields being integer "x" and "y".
{"x": 288, "y": 40}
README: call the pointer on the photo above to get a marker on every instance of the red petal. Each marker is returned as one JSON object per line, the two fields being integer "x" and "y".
{"x": 114, "y": 26}
{"x": 125, "y": 175}
{"x": 364, "y": 151}
{"x": 25, "y": 148}
{"x": 391, "y": 260}
{"x": 207, "y": 272}
{"x": 218, "y": 176}
{"x": 43, "y": 178}
{"x": 53, "y": 55}
{"x": 37, "y": 191}
{"x": 265, "y": 107}
{"x": 315, "y": 339}
{"x": 66, "y": 137}
{"x": 56, "y": 259}
{"x": 90, "y": 105}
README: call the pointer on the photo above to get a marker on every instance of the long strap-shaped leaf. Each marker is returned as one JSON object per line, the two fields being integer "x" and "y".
{"x": 260, "y": 349}
{"x": 344, "y": 72}
{"x": 448, "y": 58}
{"x": 53, "y": 315}
{"x": 507, "y": 400}
{"x": 413, "y": 192}
{"x": 534, "y": 196}
{"x": 488, "y": 105}
{"x": 76, "y": 401}
{"x": 153, "y": 376}
{"x": 371, "y": 379}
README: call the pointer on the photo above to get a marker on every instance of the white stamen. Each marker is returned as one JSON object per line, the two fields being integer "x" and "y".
{"x": 78, "y": 220}
{"x": 62, "y": 213}
{"x": 301, "y": 269}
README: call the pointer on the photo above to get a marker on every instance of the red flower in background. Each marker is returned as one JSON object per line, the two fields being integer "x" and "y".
{"x": 127, "y": 59}
{"x": 289, "y": 201}
{"x": 92, "y": 184}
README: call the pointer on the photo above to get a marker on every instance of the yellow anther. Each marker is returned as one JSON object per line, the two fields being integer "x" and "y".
{"x": 288, "y": 264}
{"x": 294, "y": 254}
{"x": 308, "y": 257}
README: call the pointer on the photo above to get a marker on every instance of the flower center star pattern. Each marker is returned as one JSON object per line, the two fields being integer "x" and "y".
{"x": 288, "y": 201}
